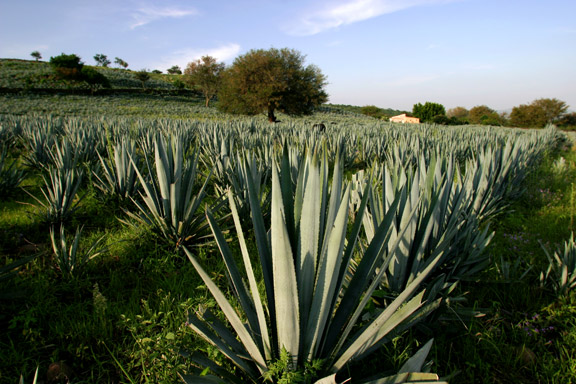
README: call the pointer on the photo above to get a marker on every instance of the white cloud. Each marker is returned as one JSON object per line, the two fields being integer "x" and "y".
{"x": 182, "y": 57}
{"x": 348, "y": 12}
{"x": 148, "y": 14}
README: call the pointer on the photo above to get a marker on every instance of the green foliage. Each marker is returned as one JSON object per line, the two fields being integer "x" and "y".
{"x": 120, "y": 62}
{"x": 538, "y": 114}
{"x": 561, "y": 273}
{"x": 102, "y": 60}
{"x": 67, "y": 66}
{"x": 266, "y": 81}
{"x": 174, "y": 70}
{"x": 374, "y": 111}
{"x": 10, "y": 176}
{"x": 205, "y": 74}
{"x": 143, "y": 76}
{"x": 94, "y": 78}
{"x": 484, "y": 115}
{"x": 428, "y": 111}
{"x": 70, "y": 261}
{"x": 36, "y": 55}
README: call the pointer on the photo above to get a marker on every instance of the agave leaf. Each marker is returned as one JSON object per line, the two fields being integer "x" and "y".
{"x": 230, "y": 314}
{"x": 262, "y": 326}
{"x": 327, "y": 279}
{"x": 417, "y": 361}
{"x": 235, "y": 277}
{"x": 284, "y": 274}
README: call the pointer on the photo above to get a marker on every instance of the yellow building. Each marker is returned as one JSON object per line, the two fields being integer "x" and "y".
{"x": 403, "y": 118}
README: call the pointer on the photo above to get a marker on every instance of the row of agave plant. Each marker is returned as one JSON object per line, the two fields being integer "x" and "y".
{"x": 411, "y": 221}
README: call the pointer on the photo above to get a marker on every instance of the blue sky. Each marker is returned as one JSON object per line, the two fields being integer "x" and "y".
{"x": 389, "y": 53}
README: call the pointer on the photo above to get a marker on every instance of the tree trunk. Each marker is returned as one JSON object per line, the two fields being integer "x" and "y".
{"x": 207, "y": 101}
{"x": 271, "y": 117}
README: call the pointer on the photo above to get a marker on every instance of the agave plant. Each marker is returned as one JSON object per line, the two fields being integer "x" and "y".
{"x": 561, "y": 272}
{"x": 118, "y": 176}
{"x": 60, "y": 190}
{"x": 168, "y": 203}
{"x": 438, "y": 222}
{"x": 10, "y": 176}
{"x": 307, "y": 313}
{"x": 69, "y": 259}
{"x": 34, "y": 381}
{"x": 246, "y": 166}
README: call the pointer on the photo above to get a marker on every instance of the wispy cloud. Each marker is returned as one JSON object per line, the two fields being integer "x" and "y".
{"x": 182, "y": 57}
{"x": 148, "y": 14}
{"x": 333, "y": 15}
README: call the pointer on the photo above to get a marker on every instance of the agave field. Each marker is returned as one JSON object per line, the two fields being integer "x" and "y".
{"x": 153, "y": 240}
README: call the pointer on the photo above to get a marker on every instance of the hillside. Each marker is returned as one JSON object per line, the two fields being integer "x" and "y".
{"x": 37, "y": 77}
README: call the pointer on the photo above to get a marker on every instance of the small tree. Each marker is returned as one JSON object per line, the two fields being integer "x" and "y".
{"x": 428, "y": 111}
{"x": 266, "y": 81}
{"x": 120, "y": 63}
{"x": 174, "y": 70}
{"x": 205, "y": 74}
{"x": 102, "y": 60}
{"x": 36, "y": 55}
{"x": 142, "y": 75}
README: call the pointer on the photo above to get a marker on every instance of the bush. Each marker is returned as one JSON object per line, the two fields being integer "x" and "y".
{"x": 93, "y": 77}
{"x": 67, "y": 66}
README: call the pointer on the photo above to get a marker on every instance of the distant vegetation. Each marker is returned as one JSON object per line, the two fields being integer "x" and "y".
{"x": 205, "y": 77}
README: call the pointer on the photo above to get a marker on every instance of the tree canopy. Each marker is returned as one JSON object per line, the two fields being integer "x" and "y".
{"x": 428, "y": 111}
{"x": 266, "y": 81}
{"x": 484, "y": 115}
{"x": 102, "y": 60}
{"x": 538, "y": 113}
{"x": 37, "y": 55}
{"x": 120, "y": 62}
{"x": 205, "y": 74}
{"x": 174, "y": 70}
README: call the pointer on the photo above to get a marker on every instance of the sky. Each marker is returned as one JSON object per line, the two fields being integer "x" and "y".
{"x": 388, "y": 53}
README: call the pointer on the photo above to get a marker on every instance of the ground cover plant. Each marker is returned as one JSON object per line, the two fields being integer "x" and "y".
{"x": 430, "y": 216}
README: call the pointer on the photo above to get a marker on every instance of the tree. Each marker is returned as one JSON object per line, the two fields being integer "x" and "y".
{"x": 538, "y": 113}
{"x": 550, "y": 109}
{"x": 120, "y": 62}
{"x": 67, "y": 66}
{"x": 205, "y": 74}
{"x": 266, "y": 81}
{"x": 459, "y": 113}
{"x": 568, "y": 121}
{"x": 37, "y": 55}
{"x": 483, "y": 115}
{"x": 374, "y": 111}
{"x": 102, "y": 60}
{"x": 174, "y": 70}
{"x": 428, "y": 111}
{"x": 142, "y": 75}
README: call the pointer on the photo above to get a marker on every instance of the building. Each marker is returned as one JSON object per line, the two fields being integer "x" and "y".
{"x": 403, "y": 118}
